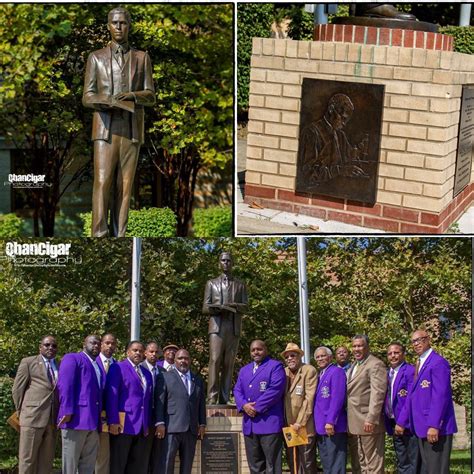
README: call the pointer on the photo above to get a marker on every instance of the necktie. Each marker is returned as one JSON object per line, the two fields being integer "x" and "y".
{"x": 120, "y": 56}
{"x": 390, "y": 390}
{"x": 50, "y": 372}
{"x": 226, "y": 280}
{"x": 186, "y": 382}
{"x": 255, "y": 367}
{"x": 170, "y": 368}
{"x": 98, "y": 372}
{"x": 140, "y": 376}
{"x": 153, "y": 371}
{"x": 417, "y": 368}
{"x": 106, "y": 365}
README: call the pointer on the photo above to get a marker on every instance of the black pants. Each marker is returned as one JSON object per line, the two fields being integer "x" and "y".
{"x": 435, "y": 456}
{"x": 408, "y": 454}
{"x": 185, "y": 445}
{"x": 128, "y": 454}
{"x": 333, "y": 453}
{"x": 264, "y": 453}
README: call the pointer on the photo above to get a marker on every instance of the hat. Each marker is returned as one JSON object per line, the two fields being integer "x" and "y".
{"x": 292, "y": 347}
{"x": 171, "y": 346}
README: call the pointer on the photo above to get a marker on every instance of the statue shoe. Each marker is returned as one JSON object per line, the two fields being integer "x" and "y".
{"x": 389, "y": 11}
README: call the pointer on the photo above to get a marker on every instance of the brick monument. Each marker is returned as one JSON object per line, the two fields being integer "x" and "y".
{"x": 423, "y": 81}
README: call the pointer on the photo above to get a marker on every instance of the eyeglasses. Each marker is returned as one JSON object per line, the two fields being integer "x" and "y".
{"x": 419, "y": 340}
{"x": 50, "y": 344}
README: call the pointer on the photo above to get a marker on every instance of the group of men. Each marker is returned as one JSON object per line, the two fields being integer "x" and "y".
{"x": 115, "y": 417}
{"x": 346, "y": 406}
{"x": 136, "y": 415}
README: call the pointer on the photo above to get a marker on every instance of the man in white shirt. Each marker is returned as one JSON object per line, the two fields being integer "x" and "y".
{"x": 108, "y": 346}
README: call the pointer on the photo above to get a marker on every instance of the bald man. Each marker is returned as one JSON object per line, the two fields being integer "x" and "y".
{"x": 429, "y": 409}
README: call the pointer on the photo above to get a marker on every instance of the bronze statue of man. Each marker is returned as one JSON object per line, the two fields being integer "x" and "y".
{"x": 225, "y": 299}
{"x": 117, "y": 85}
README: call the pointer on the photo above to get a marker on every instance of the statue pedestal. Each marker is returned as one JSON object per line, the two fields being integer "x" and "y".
{"x": 223, "y": 449}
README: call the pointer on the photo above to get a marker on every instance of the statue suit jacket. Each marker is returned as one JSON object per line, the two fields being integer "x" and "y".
{"x": 179, "y": 411}
{"x": 98, "y": 87}
{"x": 329, "y": 403}
{"x": 401, "y": 388}
{"x": 366, "y": 395}
{"x": 213, "y": 295}
{"x": 124, "y": 393}
{"x": 299, "y": 397}
{"x": 430, "y": 399}
{"x": 266, "y": 387}
{"x": 35, "y": 399}
{"x": 80, "y": 393}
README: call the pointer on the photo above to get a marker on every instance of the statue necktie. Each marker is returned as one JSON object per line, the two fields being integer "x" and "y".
{"x": 120, "y": 56}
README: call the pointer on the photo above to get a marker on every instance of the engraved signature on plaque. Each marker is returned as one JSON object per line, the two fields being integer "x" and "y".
{"x": 326, "y": 151}
{"x": 339, "y": 140}
{"x": 465, "y": 141}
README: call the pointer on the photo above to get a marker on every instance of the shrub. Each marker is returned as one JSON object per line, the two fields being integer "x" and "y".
{"x": 463, "y": 37}
{"x": 152, "y": 222}
{"x": 8, "y": 436}
{"x": 213, "y": 222}
{"x": 10, "y": 225}
{"x": 254, "y": 20}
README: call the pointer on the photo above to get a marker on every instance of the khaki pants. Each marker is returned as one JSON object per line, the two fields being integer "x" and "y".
{"x": 36, "y": 453}
{"x": 367, "y": 453}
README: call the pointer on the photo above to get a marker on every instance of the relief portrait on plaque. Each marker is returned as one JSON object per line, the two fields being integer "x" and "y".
{"x": 339, "y": 141}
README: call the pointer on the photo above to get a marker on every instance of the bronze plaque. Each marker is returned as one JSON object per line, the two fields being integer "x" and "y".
{"x": 465, "y": 140}
{"x": 220, "y": 453}
{"x": 339, "y": 143}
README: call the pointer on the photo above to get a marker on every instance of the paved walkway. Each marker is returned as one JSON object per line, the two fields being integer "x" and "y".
{"x": 269, "y": 221}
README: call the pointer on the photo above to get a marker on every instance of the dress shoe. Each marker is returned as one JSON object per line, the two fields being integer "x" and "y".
{"x": 386, "y": 10}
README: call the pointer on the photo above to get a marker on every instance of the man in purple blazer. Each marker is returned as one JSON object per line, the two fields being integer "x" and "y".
{"x": 81, "y": 385}
{"x": 429, "y": 410}
{"x": 129, "y": 390}
{"x": 108, "y": 346}
{"x": 259, "y": 394}
{"x": 330, "y": 417}
{"x": 400, "y": 379}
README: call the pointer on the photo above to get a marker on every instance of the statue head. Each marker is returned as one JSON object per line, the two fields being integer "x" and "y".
{"x": 119, "y": 24}
{"x": 225, "y": 262}
{"x": 339, "y": 111}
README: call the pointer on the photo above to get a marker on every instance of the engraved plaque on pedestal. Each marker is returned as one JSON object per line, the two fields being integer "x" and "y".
{"x": 339, "y": 142}
{"x": 465, "y": 140}
{"x": 220, "y": 453}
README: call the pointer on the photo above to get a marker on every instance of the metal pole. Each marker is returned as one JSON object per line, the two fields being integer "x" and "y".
{"x": 465, "y": 14}
{"x": 303, "y": 293}
{"x": 135, "y": 319}
{"x": 320, "y": 15}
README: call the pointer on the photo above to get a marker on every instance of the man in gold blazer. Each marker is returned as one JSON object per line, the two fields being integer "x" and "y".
{"x": 366, "y": 388}
{"x": 118, "y": 84}
{"x": 36, "y": 400}
{"x": 299, "y": 400}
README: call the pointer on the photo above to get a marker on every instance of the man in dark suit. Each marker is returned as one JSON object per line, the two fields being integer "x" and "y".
{"x": 154, "y": 445}
{"x": 81, "y": 385}
{"x": 108, "y": 345}
{"x": 180, "y": 408}
{"x": 36, "y": 400}
{"x": 429, "y": 409}
{"x": 118, "y": 84}
{"x": 129, "y": 390}
{"x": 400, "y": 380}
{"x": 225, "y": 299}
